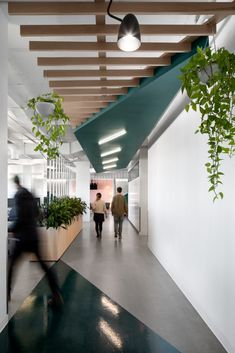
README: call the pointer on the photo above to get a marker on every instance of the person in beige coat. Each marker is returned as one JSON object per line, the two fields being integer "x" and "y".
{"x": 119, "y": 210}
{"x": 99, "y": 210}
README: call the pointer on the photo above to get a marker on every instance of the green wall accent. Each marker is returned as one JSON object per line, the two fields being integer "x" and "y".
{"x": 138, "y": 112}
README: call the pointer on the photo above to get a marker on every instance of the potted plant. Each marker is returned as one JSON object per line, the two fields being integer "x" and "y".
{"x": 60, "y": 222}
{"x": 209, "y": 80}
{"x": 61, "y": 212}
{"x": 49, "y": 123}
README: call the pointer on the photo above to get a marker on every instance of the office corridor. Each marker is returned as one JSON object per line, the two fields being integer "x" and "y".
{"x": 118, "y": 298}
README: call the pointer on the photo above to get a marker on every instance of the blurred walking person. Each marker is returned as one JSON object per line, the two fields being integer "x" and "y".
{"x": 99, "y": 210}
{"x": 26, "y": 235}
{"x": 119, "y": 210}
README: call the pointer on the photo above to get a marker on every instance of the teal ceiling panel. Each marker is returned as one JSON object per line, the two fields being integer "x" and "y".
{"x": 138, "y": 111}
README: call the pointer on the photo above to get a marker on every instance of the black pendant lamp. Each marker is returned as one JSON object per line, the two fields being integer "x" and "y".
{"x": 129, "y": 32}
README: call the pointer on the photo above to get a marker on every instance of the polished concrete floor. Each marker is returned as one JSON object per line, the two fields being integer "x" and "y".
{"x": 88, "y": 322}
{"x": 129, "y": 275}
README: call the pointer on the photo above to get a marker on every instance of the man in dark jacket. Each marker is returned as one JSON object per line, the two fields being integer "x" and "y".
{"x": 119, "y": 210}
{"x": 26, "y": 238}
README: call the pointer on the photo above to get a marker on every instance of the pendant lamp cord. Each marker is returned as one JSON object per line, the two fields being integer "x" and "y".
{"x": 108, "y": 12}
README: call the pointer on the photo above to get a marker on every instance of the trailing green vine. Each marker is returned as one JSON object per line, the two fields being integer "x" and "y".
{"x": 215, "y": 100}
{"x": 49, "y": 130}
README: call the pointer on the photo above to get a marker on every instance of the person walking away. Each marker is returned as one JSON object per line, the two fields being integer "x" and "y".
{"x": 25, "y": 231}
{"x": 119, "y": 210}
{"x": 99, "y": 210}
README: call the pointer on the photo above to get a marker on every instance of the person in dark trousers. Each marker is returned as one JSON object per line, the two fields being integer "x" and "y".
{"x": 119, "y": 210}
{"x": 26, "y": 235}
{"x": 99, "y": 210}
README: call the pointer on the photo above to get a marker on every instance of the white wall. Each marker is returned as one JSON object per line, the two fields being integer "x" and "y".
{"x": 3, "y": 162}
{"x": 143, "y": 192}
{"x": 31, "y": 176}
{"x": 134, "y": 202}
{"x": 193, "y": 237}
{"x": 123, "y": 183}
{"x": 83, "y": 184}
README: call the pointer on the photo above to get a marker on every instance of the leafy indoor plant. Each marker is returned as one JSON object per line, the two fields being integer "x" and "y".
{"x": 61, "y": 212}
{"x": 49, "y": 123}
{"x": 214, "y": 99}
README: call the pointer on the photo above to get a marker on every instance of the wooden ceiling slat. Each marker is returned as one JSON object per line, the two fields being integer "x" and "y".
{"x": 78, "y": 105}
{"x": 64, "y": 61}
{"x": 78, "y": 118}
{"x": 74, "y": 110}
{"x": 95, "y": 92}
{"x": 89, "y": 99}
{"x": 75, "y": 123}
{"x": 92, "y": 30}
{"x": 94, "y": 83}
{"x": 98, "y": 73}
{"x": 145, "y": 8}
{"x": 93, "y": 46}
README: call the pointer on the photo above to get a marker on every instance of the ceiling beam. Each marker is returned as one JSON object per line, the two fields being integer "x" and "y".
{"x": 64, "y": 61}
{"x": 103, "y": 47}
{"x": 103, "y": 30}
{"x": 89, "y": 98}
{"x": 94, "y": 83}
{"x": 95, "y": 92}
{"x": 144, "y": 8}
{"x": 98, "y": 73}
{"x": 100, "y": 21}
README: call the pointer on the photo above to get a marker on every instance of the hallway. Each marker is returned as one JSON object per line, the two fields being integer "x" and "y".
{"x": 129, "y": 275}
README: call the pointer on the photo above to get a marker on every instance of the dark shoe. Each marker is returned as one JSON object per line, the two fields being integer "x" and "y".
{"x": 115, "y": 235}
{"x": 56, "y": 300}
{"x": 120, "y": 236}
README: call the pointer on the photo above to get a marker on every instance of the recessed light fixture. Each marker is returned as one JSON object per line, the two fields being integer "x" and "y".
{"x": 112, "y": 137}
{"x": 115, "y": 150}
{"x": 110, "y": 166}
{"x": 110, "y": 160}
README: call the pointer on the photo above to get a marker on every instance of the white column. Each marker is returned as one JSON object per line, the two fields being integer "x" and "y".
{"x": 83, "y": 184}
{"x": 143, "y": 173}
{"x": 27, "y": 177}
{"x": 3, "y": 161}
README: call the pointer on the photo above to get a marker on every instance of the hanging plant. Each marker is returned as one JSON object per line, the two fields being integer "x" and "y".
{"x": 49, "y": 123}
{"x": 209, "y": 80}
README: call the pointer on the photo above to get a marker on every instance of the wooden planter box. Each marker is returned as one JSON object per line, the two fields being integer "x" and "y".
{"x": 54, "y": 242}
